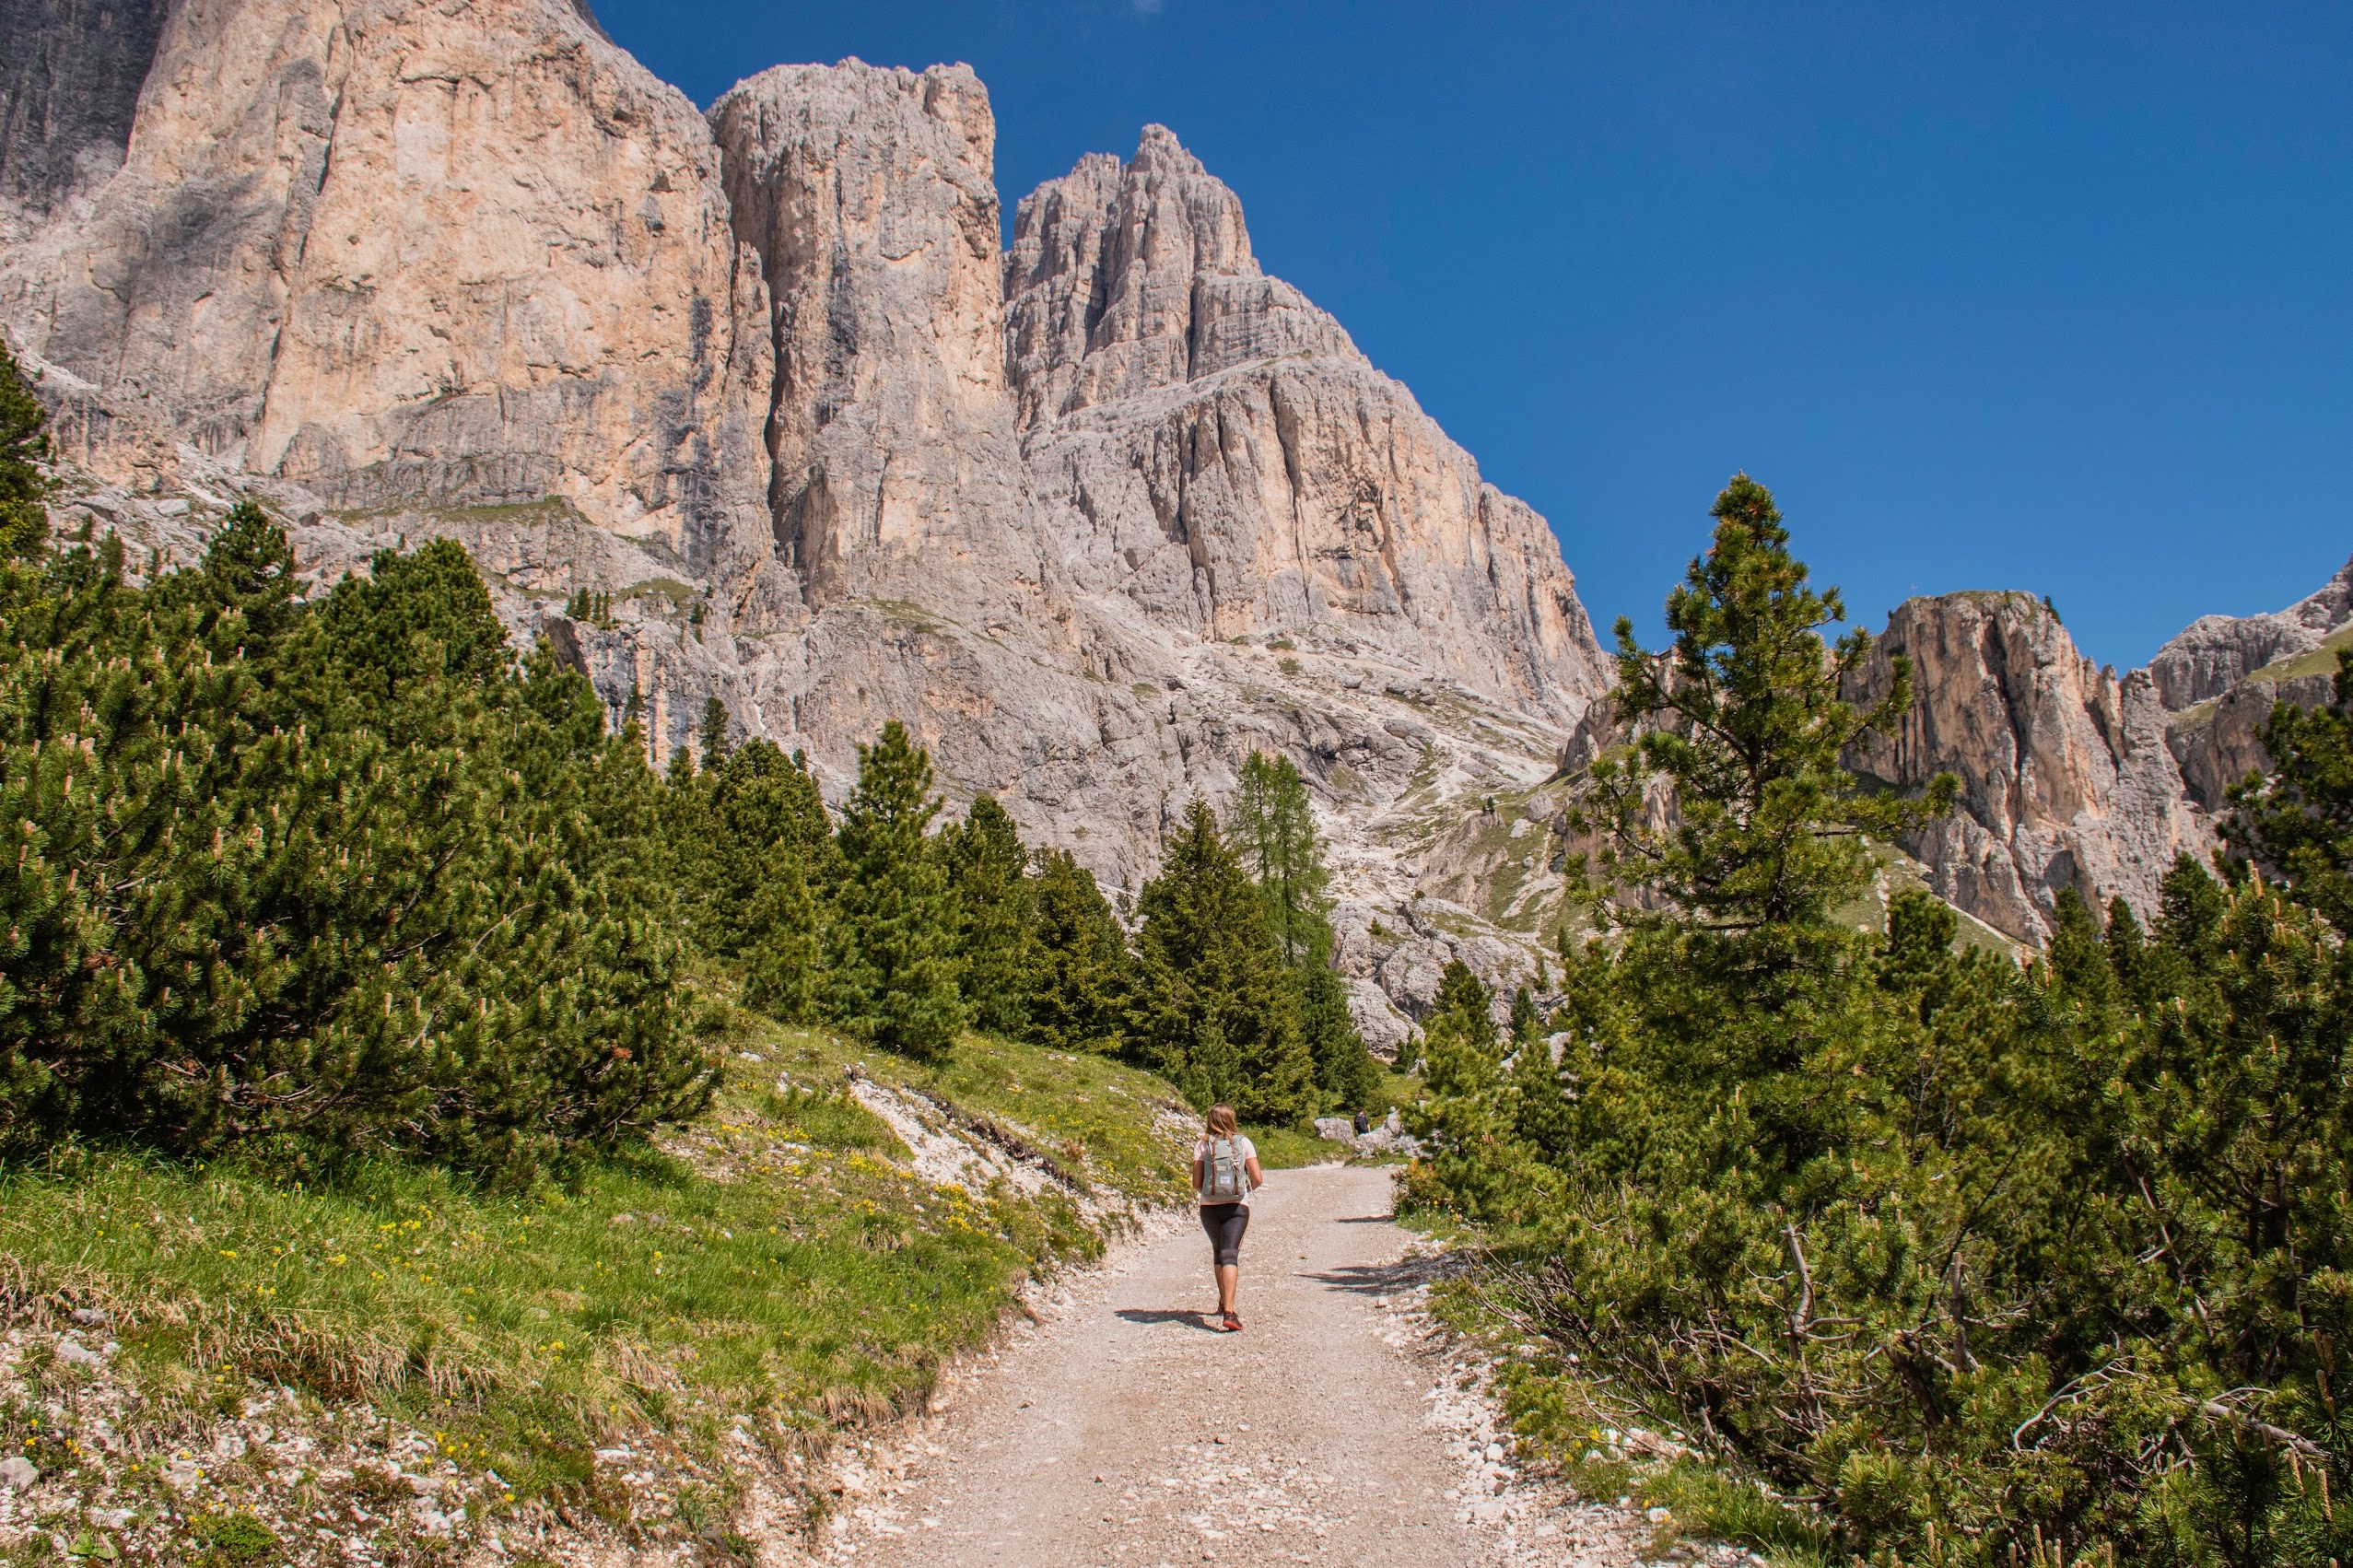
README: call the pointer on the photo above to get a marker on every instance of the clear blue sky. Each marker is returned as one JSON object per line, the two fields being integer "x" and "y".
{"x": 2040, "y": 295}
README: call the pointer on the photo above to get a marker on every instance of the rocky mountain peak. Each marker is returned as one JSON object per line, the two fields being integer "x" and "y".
{"x": 2222, "y": 675}
{"x": 2066, "y": 779}
{"x": 762, "y": 390}
{"x": 1127, "y": 277}
{"x": 868, "y": 196}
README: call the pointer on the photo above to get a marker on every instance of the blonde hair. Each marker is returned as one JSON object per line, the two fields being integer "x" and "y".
{"x": 1221, "y": 1121}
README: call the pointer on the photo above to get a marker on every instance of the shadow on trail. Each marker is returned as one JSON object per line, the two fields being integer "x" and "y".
{"x": 1151, "y": 1315}
{"x": 1367, "y": 1220}
{"x": 1380, "y": 1279}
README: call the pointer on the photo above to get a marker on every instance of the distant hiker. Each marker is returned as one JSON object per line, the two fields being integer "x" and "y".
{"x": 1225, "y": 1172}
{"x": 1364, "y": 1123}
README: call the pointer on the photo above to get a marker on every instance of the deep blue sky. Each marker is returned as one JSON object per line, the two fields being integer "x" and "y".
{"x": 2039, "y": 296}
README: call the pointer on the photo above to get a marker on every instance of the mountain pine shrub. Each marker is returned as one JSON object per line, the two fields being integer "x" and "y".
{"x": 1996, "y": 1265}
{"x": 340, "y": 879}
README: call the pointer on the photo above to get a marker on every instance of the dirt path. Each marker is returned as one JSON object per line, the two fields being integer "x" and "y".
{"x": 1122, "y": 1433}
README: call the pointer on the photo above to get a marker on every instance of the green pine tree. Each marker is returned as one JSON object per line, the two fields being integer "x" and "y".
{"x": 891, "y": 947}
{"x": 714, "y": 735}
{"x": 1082, "y": 985}
{"x": 1464, "y": 998}
{"x": 1215, "y": 981}
{"x": 24, "y": 446}
{"x": 1273, "y": 831}
{"x": 1526, "y": 1023}
{"x": 2296, "y": 825}
{"x": 996, "y": 914}
{"x": 1347, "y": 1078}
{"x": 1743, "y": 723}
{"x": 1468, "y": 1114}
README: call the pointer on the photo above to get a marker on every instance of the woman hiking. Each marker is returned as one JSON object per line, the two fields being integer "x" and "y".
{"x": 1225, "y": 1172}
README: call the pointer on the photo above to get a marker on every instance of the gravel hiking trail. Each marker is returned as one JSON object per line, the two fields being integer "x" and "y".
{"x": 1119, "y": 1431}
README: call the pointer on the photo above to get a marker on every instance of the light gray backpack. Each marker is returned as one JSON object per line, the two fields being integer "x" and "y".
{"x": 1225, "y": 1177}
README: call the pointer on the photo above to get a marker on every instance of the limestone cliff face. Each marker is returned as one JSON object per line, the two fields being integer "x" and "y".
{"x": 1210, "y": 448}
{"x": 413, "y": 255}
{"x": 2216, "y": 652}
{"x": 2066, "y": 778}
{"x": 869, "y": 196}
{"x": 69, "y": 84}
{"x": 1127, "y": 277}
{"x": 2221, "y": 677}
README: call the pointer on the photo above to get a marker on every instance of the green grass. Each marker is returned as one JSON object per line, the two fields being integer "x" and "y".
{"x": 679, "y": 596}
{"x": 771, "y": 1266}
{"x": 2320, "y": 661}
{"x": 1097, "y": 1117}
{"x": 1287, "y": 1148}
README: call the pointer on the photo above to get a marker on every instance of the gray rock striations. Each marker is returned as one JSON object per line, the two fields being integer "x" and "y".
{"x": 69, "y": 84}
{"x": 1097, "y": 514}
{"x": 1210, "y": 448}
{"x": 2214, "y": 653}
{"x": 2071, "y": 776}
{"x": 870, "y": 197}
{"x": 1097, "y": 517}
{"x": 418, "y": 256}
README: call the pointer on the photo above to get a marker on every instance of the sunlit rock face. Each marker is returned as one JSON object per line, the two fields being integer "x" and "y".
{"x": 2066, "y": 778}
{"x": 1097, "y": 517}
{"x": 869, "y": 196}
{"x": 2221, "y": 676}
{"x": 1210, "y": 447}
{"x": 412, "y": 255}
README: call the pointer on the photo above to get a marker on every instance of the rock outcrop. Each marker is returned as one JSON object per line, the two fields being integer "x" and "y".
{"x": 2071, "y": 776}
{"x": 2066, "y": 778}
{"x": 2214, "y": 653}
{"x": 1211, "y": 449}
{"x": 407, "y": 255}
{"x": 2221, "y": 677}
{"x": 870, "y": 197}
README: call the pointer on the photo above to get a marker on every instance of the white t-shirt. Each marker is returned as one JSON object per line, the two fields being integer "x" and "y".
{"x": 1243, "y": 1148}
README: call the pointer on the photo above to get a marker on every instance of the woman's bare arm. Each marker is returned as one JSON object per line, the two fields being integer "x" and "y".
{"x": 1257, "y": 1177}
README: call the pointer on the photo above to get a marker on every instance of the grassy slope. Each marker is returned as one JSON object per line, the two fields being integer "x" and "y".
{"x": 773, "y": 1275}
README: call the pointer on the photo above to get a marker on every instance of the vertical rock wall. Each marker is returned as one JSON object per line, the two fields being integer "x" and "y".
{"x": 869, "y": 196}
{"x": 418, "y": 256}
{"x": 757, "y": 379}
{"x": 69, "y": 84}
{"x": 1211, "y": 451}
{"x": 2066, "y": 779}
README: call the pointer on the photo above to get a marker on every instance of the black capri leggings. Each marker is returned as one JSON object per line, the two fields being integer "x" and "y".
{"x": 1225, "y": 1222}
